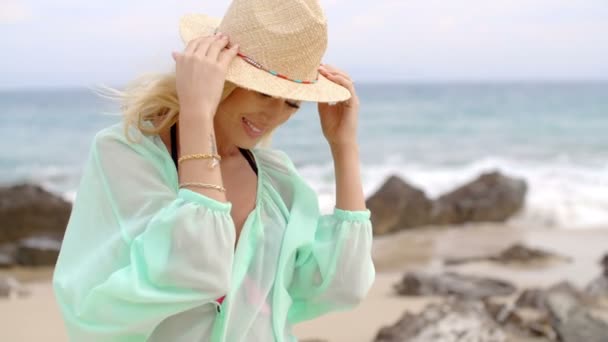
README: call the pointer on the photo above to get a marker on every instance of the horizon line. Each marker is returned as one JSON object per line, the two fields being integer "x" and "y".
{"x": 362, "y": 83}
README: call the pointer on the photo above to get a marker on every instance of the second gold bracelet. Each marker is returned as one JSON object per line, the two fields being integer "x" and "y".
{"x": 203, "y": 185}
{"x": 199, "y": 156}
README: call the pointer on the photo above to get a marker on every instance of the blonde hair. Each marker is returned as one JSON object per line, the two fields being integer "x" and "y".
{"x": 153, "y": 96}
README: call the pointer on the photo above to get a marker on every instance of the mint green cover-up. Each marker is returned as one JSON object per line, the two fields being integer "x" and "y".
{"x": 143, "y": 260}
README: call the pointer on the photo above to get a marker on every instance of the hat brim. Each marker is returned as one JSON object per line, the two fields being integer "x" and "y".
{"x": 247, "y": 76}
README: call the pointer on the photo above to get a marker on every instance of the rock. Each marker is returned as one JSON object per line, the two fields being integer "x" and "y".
{"x": 515, "y": 254}
{"x": 10, "y": 287}
{"x": 8, "y": 255}
{"x": 558, "y": 313}
{"x": 492, "y": 197}
{"x": 575, "y": 322}
{"x": 573, "y": 315}
{"x": 398, "y": 205}
{"x": 532, "y": 298}
{"x": 454, "y": 321}
{"x": 523, "y": 323}
{"x": 29, "y": 213}
{"x": 519, "y": 253}
{"x": 598, "y": 287}
{"x": 452, "y": 284}
{"x": 28, "y": 210}
{"x": 38, "y": 251}
{"x": 537, "y": 298}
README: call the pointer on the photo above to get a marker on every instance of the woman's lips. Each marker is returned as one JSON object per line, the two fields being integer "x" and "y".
{"x": 251, "y": 129}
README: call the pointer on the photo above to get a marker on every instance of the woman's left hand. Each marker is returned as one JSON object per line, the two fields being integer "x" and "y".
{"x": 339, "y": 121}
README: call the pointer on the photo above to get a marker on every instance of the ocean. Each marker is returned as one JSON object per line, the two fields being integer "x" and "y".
{"x": 434, "y": 136}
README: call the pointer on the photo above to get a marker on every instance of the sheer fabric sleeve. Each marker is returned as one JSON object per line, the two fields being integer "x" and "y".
{"x": 136, "y": 250}
{"x": 336, "y": 271}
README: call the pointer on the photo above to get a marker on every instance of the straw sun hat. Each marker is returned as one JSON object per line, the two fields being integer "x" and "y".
{"x": 281, "y": 43}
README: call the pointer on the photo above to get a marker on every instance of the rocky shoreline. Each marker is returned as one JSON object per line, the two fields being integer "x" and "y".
{"x": 32, "y": 225}
{"x": 33, "y": 220}
{"x": 493, "y": 310}
{"x": 451, "y": 268}
{"x": 499, "y": 292}
{"x": 492, "y": 197}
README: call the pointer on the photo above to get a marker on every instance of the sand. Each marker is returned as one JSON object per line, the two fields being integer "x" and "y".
{"x": 36, "y": 317}
{"x": 423, "y": 249}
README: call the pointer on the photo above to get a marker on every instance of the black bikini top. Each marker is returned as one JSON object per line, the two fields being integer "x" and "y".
{"x": 245, "y": 152}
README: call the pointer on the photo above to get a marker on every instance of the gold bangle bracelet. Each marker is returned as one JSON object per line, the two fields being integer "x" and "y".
{"x": 199, "y": 156}
{"x": 203, "y": 185}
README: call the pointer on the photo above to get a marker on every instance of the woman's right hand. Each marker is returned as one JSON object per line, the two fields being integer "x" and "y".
{"x": 201, "y": 73}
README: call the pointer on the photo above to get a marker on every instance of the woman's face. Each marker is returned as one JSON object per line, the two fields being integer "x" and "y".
{"x": 246, "y": 115}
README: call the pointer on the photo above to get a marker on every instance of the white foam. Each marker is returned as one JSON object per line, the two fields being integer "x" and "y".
{"x": 560, "y": 194}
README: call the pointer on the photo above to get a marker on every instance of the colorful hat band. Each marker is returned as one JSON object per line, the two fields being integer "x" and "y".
{"x": 272, "y": 72}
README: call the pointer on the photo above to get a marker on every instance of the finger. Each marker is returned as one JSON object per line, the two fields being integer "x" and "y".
{"x": 193, "y": 43}
{"x": 331, "y": 68}
{"x": 216, "y": 47}
{"x": 191, "y": 46}
{"x": 227, "y": 55}
{"x": 338, "y": 78}
{"x": 344, "y": 76}
{"x": 343, "y": 81}
{"x": 203, "y": 45}
{"x": 335, "y": 71}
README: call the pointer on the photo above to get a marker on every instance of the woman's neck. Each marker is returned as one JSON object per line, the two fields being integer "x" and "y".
{"x": 224, "y": 147}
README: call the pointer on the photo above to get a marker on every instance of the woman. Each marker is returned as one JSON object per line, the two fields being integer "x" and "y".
{"x": 190, "y": 232}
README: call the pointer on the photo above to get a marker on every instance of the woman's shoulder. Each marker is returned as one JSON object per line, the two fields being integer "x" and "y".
{"x": 129, "y": 137}
{"x": 118, "y": 131}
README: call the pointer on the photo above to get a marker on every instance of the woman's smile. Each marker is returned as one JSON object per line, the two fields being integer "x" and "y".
{"x": 251, "y": 129}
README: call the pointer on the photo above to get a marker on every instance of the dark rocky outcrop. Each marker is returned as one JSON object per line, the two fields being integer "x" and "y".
{"x": 452, "y": 284}
{"x": 493, "y": 197}
{"x": 451, "y": 321}
{"x": 32, "y": 225}
{"x": 474, "y": 310}
{"x": 598, "y": 287}
{"x": 10, "y": 287}
{"x": 398, "y": 205}
{"x": 515, "y": 254}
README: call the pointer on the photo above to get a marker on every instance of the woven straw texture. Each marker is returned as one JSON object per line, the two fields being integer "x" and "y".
{"x": 288, "y": 37}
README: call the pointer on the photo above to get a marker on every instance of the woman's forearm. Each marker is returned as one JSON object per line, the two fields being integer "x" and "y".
{"x": 197, "y": 135}
{"x": 349, "y": 190}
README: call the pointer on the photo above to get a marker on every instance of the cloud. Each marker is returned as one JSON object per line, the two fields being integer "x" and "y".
{"x": 14, "y": 12}
{"x": 472, "y": 39}
{"x": 385, "y": 39}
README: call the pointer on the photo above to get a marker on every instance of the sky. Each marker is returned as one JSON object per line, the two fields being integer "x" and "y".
{"x": 64, "y": 43}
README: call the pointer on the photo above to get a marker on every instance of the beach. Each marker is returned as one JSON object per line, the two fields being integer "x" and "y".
{"x": 480, "y": 139}
{"x": 436, "y": 137}
{"x": 36, "y": 317}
